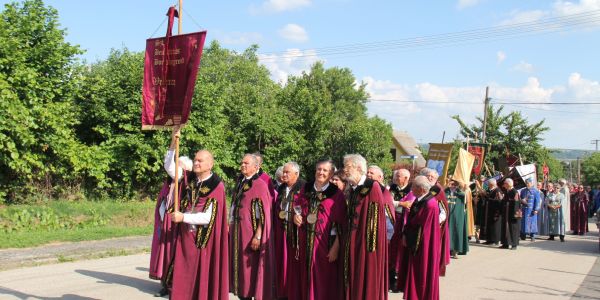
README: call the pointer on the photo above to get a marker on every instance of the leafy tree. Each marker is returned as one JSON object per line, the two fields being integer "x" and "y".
{"x": 509, "y": 134}
{"x": 330, "y": 115}
{"x": 38, "y": 77}
{"x": 590, "y": 168}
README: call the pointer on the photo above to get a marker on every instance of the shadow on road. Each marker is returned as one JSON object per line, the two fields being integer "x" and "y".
{"x": 532, "y": 290}
{"x": 142, "y": 269}
{"x": 578, "y": 245}
{"x": 21, "y": 295}
{"x": 146, "y": 286}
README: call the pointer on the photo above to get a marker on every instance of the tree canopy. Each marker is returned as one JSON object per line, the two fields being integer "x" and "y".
{"x": 590, "y": 168}
{"x": 69, "y": 127}
{"x": 512, "y": 133}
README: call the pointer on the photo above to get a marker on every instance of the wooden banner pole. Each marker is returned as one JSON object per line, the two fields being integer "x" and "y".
{"x": 180, "y": 14}
{"x": 176, "y": 190}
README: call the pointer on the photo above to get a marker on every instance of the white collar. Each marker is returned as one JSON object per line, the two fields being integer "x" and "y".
{"x": 322, "y": 188}
{"x": 361, "y": 181}
{"x": 205, "y": 179}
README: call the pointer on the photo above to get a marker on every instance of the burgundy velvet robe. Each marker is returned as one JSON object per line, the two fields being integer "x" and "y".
{"x": 365, "y": 249}
{"x": 422, "y": 234}
{"x": 164, "y": 237}
{"x": 267, "y": 179}
{"x": 315, "y": 277}
{"x": 251, "y": 272}
{"x": 284, "y": 235}
{"x": 438, "y": 192}
{"x": 201, "y": 261}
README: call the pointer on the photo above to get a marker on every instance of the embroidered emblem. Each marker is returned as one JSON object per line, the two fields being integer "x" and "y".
{"x": 364, "y": 191}
{"x": 204, "y": 190}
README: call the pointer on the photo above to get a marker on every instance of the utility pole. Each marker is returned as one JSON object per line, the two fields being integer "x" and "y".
{"x": 596, "y": 142}
{"x": 578, "y": 171}
{"x": 570, "y": 172}
{"x": 485, "y": 112}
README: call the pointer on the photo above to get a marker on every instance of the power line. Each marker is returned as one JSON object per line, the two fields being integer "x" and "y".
{"x": 548, "y": 25}
{"x": 445, "y": 101}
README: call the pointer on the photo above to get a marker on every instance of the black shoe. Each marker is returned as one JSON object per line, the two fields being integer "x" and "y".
{"x": 550, "y": 238}
{"x": 504, "y": 247}
{"x": 488, "y": 243}
{"x": 513, "y": 248}
{"x": 163, "y": 292}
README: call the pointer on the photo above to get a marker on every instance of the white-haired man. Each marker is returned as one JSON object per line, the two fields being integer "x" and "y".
{"x": 422, "y": 239}
{"x": 438, "y": 191}
{"x": 403, "y": 199}
{"x": 165, "y": 234}
{"x": 493, "y": 213}
{"x": 284, "y": 232}
{"x": 365, "y": 251}
{"x": 511, "y": 216}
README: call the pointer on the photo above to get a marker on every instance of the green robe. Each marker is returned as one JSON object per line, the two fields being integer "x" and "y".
{"x": 457, "y": 221}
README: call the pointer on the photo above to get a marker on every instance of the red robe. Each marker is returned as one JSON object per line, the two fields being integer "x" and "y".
{"x": 422, "y": 236}
{"x": 284, "y": 235}
{"x": 315, "y": 277}
{"x": 251, "y": 272}
{"x": 164, "y": 236}
{"x": 438, "y": 192}
{"x": 201, "y": 261}
{"x": 267, "y": 179}
{"x": 365, "y": 249}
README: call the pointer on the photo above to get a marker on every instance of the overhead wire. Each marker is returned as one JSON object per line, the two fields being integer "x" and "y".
{"x": 548, "y": 25}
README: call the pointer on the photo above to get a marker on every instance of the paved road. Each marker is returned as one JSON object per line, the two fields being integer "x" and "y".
{"x": 539, "y": 270}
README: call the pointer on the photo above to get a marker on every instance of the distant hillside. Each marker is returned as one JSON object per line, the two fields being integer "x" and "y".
{"x": 570, "y": 154}
{"x": 560, "y": 154}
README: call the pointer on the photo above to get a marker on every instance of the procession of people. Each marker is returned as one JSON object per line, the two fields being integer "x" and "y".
{"x": 346, "y": 234}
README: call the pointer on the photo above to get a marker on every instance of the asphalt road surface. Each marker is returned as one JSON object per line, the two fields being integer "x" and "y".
{"x": 537, "y": 270}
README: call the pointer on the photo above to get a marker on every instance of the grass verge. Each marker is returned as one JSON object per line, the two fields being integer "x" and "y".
{"x": 64, "y": 221}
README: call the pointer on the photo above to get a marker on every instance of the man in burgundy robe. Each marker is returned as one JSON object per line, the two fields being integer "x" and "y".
{"x": 437, "y": 190}
{"x": 365, "y": 249}
{"x": 250, "y": 236}
{"x": 165, "y": 233}
{"x": 323, "y": 215}
{"x": 285, "y": 234}
{"x": 403, "y": 199}
{"x": 422, "y": 238}
{"x": 201, "y": 262}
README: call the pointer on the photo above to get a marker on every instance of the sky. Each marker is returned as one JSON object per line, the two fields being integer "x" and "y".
{"x": 421, "y": 62}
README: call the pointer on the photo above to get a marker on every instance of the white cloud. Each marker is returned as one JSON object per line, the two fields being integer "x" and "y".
{"x": 524, "y": 67}
{"x": 294, "y": 33}
{"x": 275, "y": 6}
{"x": 532, "y": 92}
{"x": 500, "y": 57}
{"x": 582, "y": 89}
{"x": 239, "y": 38}
{"x": 560, "y": 8}
{"x": 524, "y": 16}
{"x": 467, "y": 3}
{"x": 291, "y": 62}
